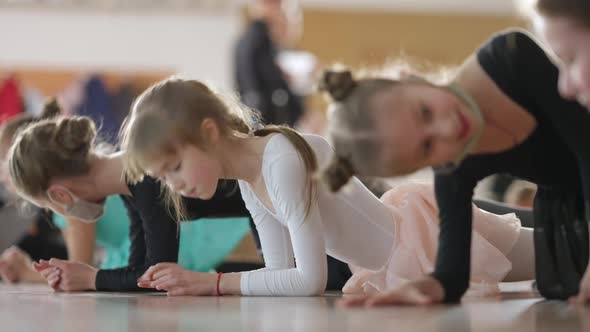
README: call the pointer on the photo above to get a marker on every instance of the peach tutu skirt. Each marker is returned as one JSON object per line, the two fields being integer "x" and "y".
{"x": 413, "y": 254}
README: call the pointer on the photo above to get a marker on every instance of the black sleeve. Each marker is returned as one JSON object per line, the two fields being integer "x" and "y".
{"x": 516, "y": 62}
{"x": 570, "y": 120}
{"x": 501, "y": 58}
{"x": 534, "y": 78}
{"x": 251, "y": 46}
{"x": 136, "y": 236}
{"x": 498, "y": 58}
{"x": 452, "y": 268}
{"x": 153, "y": 234}
{"x": 454, "y": 192}
{"x": 522, "y": 69}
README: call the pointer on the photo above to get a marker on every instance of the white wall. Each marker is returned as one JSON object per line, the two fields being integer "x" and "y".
{"x": 195, "y": 44}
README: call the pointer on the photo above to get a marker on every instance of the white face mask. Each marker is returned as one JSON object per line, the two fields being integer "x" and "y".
{"x": 85, "y": 211}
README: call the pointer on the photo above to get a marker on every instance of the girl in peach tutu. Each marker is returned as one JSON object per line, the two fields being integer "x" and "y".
{"x": 196, "y": 137}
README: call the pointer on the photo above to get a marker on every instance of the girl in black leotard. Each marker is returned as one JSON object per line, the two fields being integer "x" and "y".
{"x": 55, "y": 165}
{"x": 502, "y": 114}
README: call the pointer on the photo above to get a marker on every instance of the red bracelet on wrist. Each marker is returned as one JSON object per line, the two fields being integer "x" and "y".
{"x": 219, "y": 274}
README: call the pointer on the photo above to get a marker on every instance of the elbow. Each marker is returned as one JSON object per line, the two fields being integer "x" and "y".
{"x": 312, "y": 290}
{"x": 313, "y": 286}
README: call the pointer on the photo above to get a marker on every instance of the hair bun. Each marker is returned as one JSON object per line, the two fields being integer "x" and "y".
{"x": 75, "y": 134}
{"x": 338, "y": 173}
{"x": 51, "y": 109}
{"x": 338, "y": 83}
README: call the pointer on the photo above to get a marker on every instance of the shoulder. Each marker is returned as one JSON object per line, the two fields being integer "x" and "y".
{"x": 280, "y": 146}
{"x": 510, "y": 47}
{"x": 145, "y": 188}
{"x": 319, "y": 144}
{"x": 284, "y": 171}
{"x": 147, "y": 197}
{"x": 512, "y": 40}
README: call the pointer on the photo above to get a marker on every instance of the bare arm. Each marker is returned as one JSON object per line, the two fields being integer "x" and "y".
{"x": 80, "y": 241}
{"x": 15, "y": 264}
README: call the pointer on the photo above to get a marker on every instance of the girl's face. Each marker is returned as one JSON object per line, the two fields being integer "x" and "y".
{"x": 420, "y": 125}
{"x": 61, "y": 199}
{"x": 570, "y": 42}
{"x": 191, "y": 172}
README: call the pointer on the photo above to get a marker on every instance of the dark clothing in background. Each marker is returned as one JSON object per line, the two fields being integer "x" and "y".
{"x": 43, "y": 240}
{"x": 121, "y": 101}
{"x": 260, "y": 81}
{"x": 97, "y": 105}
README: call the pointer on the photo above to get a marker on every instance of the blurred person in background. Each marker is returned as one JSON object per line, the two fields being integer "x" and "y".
{"x": 263, "y": 85}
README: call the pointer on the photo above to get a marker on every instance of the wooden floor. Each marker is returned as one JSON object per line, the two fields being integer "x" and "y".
{"x": 35, "y": 308}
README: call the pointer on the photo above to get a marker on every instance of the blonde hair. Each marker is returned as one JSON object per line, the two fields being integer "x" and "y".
{"x": 51, "y": 148}
{"x": 351, "y": 128}
{"x": 352, "y": 124}
{"x": 169, "y": 114}
{"x": 10, "y": 128}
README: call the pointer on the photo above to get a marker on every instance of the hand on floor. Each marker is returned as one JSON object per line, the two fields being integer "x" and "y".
{"x": 357, "y": 283}
{"x": 583, "y": 296}
{"x": 177, "y": 281}
{"x": 51, "y": 274}
{"x": 424, "y": 291}
{"x": 67, "y": 276}
{"x": 15, "y": 265}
